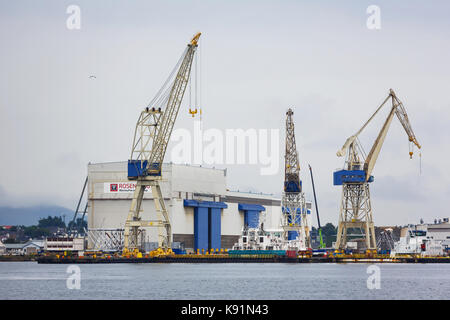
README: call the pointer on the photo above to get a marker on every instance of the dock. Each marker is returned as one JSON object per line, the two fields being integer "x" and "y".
{"x": 235, "y": 259}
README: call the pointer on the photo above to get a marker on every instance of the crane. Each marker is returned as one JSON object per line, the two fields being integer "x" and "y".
{"x": 293, "y": 219}
{"x": 356, "y": 209}
{"x": 321, "y": 245}
{"x": 151, "y": 137}
{"x": 73, "y": 228}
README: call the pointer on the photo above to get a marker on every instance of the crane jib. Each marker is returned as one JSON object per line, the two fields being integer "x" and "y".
{"x": 151, "y": 137}
{"x": 154, "y": 127}
{"x": 353, "y": 172}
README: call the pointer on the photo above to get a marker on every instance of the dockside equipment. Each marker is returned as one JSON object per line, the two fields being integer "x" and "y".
{"x": 151, "y": 137}
{"x": 356, "y": 209}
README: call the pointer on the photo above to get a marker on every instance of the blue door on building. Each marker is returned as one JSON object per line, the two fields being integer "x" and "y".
{"x": 207, "y": 224}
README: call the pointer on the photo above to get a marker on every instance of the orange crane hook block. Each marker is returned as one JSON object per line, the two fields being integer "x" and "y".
{"x": 193, "y": 112}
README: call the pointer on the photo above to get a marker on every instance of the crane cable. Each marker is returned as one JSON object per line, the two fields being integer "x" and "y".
{"x": 163, "y": 93}
{"x": 197, "y": 89}
{"x": 190, "y": 91}
{"x": 199, "y": 56}
{"x": 196, "y": 76}
{"x": 420, "y": 163}
{"x": 411, "y": 147}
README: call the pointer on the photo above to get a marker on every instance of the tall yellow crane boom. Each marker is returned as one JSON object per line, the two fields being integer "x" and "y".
{"x": 403, "y": 118}
{"x": 399, "y": 110}
{"x": 151, "y": 137}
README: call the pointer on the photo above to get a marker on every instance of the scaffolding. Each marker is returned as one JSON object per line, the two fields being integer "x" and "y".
{"x": 110, "y": 240}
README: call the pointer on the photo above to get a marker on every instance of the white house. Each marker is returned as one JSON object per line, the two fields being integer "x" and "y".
{"x": 2, "y": 248}
{"x": 29, "y": 247}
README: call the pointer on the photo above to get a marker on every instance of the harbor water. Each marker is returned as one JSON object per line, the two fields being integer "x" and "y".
{"x": 274, "y": 281}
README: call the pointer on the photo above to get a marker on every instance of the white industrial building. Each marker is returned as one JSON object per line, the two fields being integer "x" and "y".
{"x": 185, "y": 189}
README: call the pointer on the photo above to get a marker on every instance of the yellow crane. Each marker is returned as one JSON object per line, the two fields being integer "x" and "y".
{"x": 152, "y": 135}
{"x": 356, "y": 209}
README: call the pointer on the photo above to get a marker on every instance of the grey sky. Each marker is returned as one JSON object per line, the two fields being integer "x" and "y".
{"x": 258, "y": 59}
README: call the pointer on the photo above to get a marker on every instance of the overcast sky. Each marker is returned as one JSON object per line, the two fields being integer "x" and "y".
{"x": 257, "y": 58}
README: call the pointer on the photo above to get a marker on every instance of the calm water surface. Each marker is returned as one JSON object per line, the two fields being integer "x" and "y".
{"x": 29, "y": 280}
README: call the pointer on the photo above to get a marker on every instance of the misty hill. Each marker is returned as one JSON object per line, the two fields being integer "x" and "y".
{"x": 28, "y": 216}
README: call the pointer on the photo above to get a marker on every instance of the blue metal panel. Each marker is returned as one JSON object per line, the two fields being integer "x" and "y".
{"x": 287, "y": 210}
{"x": 255, "y": 207}
{"x": 251, "y": 218}
{"x": 348, "y": 176}
{"x": 298, "y": 217}
{"x": 215, "y": 228}
{"x": 201, "y": 228}
{"x": 136, "y": 168}
{"x": 293, "y": 186}
{"x": 292, "y": 235}
{"x": 204, "y": 204}
{"x": 251, "y": 214}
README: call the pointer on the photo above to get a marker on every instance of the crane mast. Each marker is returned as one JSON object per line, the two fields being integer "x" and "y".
{"x": 293, "y": 219}
{"x": 356, "y": 209}
{"x": 151, "y": 137}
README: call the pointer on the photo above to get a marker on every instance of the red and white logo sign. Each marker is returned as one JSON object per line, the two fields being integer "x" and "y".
{"x": 121, "y": 187}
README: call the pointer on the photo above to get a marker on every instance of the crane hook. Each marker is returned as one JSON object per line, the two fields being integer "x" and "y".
{"x": 410, "y": 149}
{"x": 192, "y": 112}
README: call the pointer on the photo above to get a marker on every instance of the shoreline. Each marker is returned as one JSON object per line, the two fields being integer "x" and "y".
{"x": 25, "y": 258}
{"x": 222, "y": 259}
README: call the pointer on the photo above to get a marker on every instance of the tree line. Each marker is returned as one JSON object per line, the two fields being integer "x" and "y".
{"x": 46, "y": 227}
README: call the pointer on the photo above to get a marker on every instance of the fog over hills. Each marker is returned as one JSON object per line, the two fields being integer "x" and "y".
{"x": 28, "y": 216}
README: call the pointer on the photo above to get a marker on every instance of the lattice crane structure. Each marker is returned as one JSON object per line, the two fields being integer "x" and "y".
{"x": 151, "y": 137}
{"x": 294, "y": 217}
{"x": 356, "y": 209}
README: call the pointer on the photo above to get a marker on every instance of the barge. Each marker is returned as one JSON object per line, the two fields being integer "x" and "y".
{"x": 225, "y": 258}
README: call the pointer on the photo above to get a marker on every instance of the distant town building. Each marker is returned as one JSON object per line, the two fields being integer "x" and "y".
{"x": 29, "y": 247}
{"x": 2, "y": 248}
{"x": 59, "y": 244}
